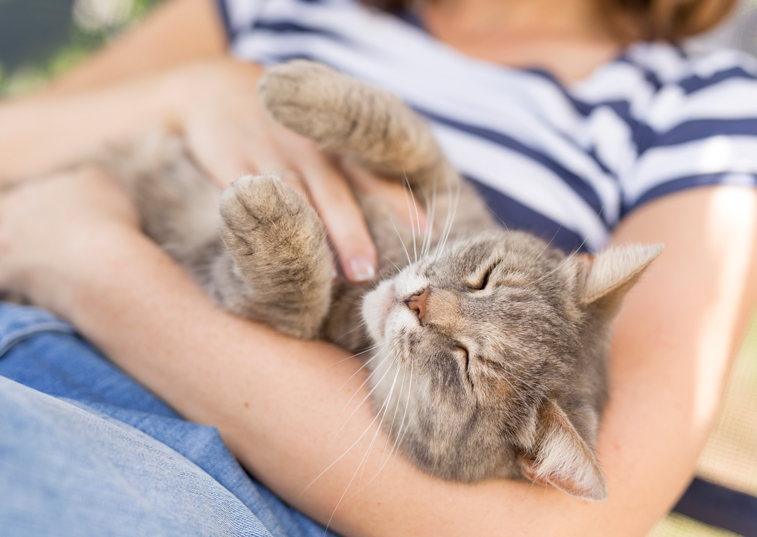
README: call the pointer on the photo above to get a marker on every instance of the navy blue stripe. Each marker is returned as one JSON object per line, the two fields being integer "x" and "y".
{"x": 649, "y": 75}
{"x": 581, "y": 107}
{"x": 288, "y": 27}
{"x": 224, "y": 12}
{"x": 720, "y": 507}
{"x": 571, "y": 179}
{"x": 642, "y": 134}
{"x": 281, "y": 58}
{"x": 592, "y": 153}
{"x": 515, "y": 215}
{"x": 410, "y": 18}
{"x": 696, "y": 82}
{"x": 683, "y": 183}
{"x": 705, "y": 128}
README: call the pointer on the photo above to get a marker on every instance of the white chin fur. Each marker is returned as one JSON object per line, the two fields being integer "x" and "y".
{"x": 376, "y": 306}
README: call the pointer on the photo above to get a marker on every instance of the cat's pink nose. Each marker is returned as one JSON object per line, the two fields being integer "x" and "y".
{"x": 417, "y": 303}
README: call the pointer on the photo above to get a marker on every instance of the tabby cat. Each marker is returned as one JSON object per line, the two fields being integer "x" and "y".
{"x": 488, "y": 349}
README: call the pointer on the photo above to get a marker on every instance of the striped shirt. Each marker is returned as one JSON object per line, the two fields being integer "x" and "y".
{"x": 566, "y": 162}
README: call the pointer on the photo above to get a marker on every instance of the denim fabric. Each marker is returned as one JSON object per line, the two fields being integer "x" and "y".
{"x": 85, "y": 450}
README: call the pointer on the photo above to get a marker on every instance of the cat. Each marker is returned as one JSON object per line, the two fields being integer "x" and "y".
{"x": 488, "y": 349}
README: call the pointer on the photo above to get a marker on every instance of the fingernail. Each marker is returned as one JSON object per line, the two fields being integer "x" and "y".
{"x": 361, "y": 268}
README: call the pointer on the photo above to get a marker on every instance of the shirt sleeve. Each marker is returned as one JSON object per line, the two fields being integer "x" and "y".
{"x": 698, "y": 130}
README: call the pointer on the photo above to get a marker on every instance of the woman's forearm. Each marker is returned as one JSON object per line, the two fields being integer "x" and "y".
{"x": 279, "y": 402}
{"x": 42, "y": 134}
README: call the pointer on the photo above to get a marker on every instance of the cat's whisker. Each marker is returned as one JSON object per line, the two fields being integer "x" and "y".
{"x": 447, "y": 224}
{"x": 382, "y": 411}
{"x": 378, "y": 349}
{"x": 515, "y": 390}
{"x": 340, "y": 457}
{"x": 376, "y": 355}
{"x": 533, "y": 262}
{"x": 360, "y": 325}
{"x": 361, "y": 464}
{"x": 561, "y": 265}
{"x": 432, "y": 218}
{"x": 409, "y": 262}
{"x": 372, "y": 347}
{"x": 414, "y": 222}
{"x": 452, "y": 214}
{"x": 428, "y": 234}
{"x": 354, "y": 475}
{"x": 402, "y": 430}
{"x": 353, "y": 413}
{"x": 364, "y": 399}
{"x": 394, "y": 419}
{"x": 504, "y": 224}
{"x": 393, "y": 263}
{"x": 522, "y": 381}
{"x": 415, "y": 206}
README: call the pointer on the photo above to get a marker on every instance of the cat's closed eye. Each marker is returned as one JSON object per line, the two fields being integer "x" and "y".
{"x": 462, "y": 351}
{"x": 481, "y": 283}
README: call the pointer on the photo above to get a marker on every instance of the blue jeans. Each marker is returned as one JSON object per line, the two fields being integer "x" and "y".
{"x": 85, "y": 450}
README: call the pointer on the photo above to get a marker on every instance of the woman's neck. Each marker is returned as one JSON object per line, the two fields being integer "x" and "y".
{"x": 569, "y": 38}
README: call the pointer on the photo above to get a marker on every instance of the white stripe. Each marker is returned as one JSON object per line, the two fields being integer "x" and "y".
{"x": 619, "y": 81}
{"x": 731, "y": 99}
{"x": 461, "y": 101}
{"x": 717, "y": 154}
{"x": 614, "y": 140}
{"x": 662, "y": 59}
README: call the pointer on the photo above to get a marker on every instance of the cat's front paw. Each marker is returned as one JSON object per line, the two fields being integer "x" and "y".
{"x": 261, "y": 205}
{"x": 309, "y": 98}
{"x": 279, "y": 246}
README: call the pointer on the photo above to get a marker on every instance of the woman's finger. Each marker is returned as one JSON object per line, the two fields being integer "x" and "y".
{"x": 294, "y": 179}
{"x": 223, "y": 162}
{"x": 332, "y": 197}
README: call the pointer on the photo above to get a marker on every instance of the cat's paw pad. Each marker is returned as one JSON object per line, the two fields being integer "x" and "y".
{"x": 254, "y": 202}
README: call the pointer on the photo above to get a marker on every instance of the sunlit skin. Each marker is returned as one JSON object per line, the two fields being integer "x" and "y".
{"x": 71, "y": 244}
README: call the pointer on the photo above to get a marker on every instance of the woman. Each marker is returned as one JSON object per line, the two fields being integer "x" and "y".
{"x": 70, "y": 244}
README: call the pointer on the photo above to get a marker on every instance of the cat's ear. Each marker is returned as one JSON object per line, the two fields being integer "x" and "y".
{"x": 561, "y": 458}
{"x": 605, "y": 278}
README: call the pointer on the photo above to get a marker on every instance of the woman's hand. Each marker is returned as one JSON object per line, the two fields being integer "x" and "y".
{"x": 231, "y": 134}
{"x": 50, "y": 227}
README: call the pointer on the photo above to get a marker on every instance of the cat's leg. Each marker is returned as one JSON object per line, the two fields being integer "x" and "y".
{"x": 280, "y": 265}
{"x": 345, "y": 115}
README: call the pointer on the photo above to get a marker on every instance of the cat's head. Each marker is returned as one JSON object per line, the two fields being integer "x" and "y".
{"x": 491, "y": 358}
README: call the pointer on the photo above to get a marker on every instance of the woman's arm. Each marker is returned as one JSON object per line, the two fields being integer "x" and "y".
{"x": 171, "y": 72}
{"x": 279, "y": 402}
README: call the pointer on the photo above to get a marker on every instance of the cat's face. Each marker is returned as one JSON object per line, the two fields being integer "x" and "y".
{"x": 475, "y": 344}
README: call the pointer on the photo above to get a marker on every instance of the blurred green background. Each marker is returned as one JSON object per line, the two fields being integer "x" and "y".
{"x": 42, "y": 38}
